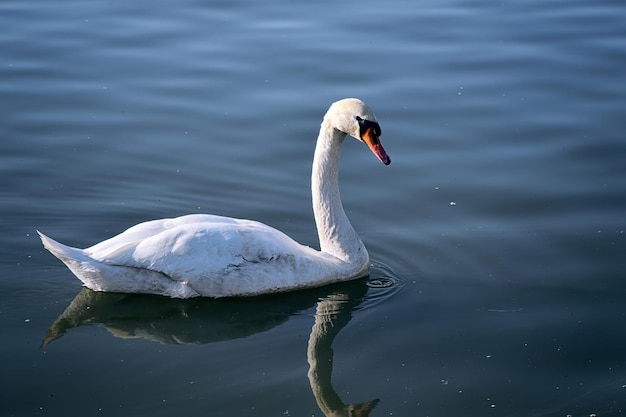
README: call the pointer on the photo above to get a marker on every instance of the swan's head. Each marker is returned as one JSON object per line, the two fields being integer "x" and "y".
{"x": 356, "y": 119}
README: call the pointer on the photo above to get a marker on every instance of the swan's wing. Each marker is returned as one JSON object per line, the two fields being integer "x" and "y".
{"x": 197, "y": 247}
{"x": 145, "y": 230}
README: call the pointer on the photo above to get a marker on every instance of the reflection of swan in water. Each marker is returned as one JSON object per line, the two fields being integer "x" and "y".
{"x": 201, "y": 320}
{"x": 332, "y": 314}
{"x": 174, "y": 321}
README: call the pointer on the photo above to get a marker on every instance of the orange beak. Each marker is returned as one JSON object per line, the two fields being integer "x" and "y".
{"x": 373, "y": 142}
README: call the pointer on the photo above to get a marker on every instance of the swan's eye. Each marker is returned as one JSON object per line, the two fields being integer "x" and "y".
{"x": 364, "y": 125}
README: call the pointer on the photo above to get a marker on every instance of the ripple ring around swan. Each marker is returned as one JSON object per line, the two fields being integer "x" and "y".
{"x": 383, "y": 283}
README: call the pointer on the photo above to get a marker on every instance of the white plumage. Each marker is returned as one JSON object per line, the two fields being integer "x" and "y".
{"x": 215, "y": 256}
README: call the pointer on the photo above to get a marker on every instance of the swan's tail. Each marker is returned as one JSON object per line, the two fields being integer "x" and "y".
{"x": 85, "y": 268}
{"x": 61, "y": 251}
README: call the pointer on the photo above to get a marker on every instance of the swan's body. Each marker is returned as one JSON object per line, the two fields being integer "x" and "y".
{"x": 214, "y": 256}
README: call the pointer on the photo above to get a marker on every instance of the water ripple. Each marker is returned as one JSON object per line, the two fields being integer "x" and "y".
{"x": 383, "y": 283}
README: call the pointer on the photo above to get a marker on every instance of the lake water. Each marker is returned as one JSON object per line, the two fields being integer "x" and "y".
{"x": 498, "y": 280}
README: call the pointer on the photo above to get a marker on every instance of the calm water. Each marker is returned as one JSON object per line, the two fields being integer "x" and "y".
{"x": 500, "y": 222}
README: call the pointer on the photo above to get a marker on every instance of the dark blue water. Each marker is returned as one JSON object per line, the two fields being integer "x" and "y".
{"x": 496, "y": 234}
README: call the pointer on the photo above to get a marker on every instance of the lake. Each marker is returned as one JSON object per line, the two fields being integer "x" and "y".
{"x": 496, "y": 236}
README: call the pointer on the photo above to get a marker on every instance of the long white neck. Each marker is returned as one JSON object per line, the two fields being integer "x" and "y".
{"x": 336, "y": 234}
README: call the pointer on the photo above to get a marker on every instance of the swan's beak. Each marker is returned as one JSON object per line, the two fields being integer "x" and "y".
{"x": 362, "y": 410}
{"x": 371, "y": 140}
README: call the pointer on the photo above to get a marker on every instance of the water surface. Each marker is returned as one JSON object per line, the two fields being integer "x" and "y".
{"x": 500, "y": 222}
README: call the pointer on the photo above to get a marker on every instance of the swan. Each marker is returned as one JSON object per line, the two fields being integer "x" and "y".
{"x": 213, "y": 256}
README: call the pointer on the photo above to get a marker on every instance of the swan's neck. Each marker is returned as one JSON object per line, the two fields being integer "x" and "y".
{"x": 336, "y": 234}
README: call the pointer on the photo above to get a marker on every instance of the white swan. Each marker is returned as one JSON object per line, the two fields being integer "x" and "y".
{"x": 214, "y": 256}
